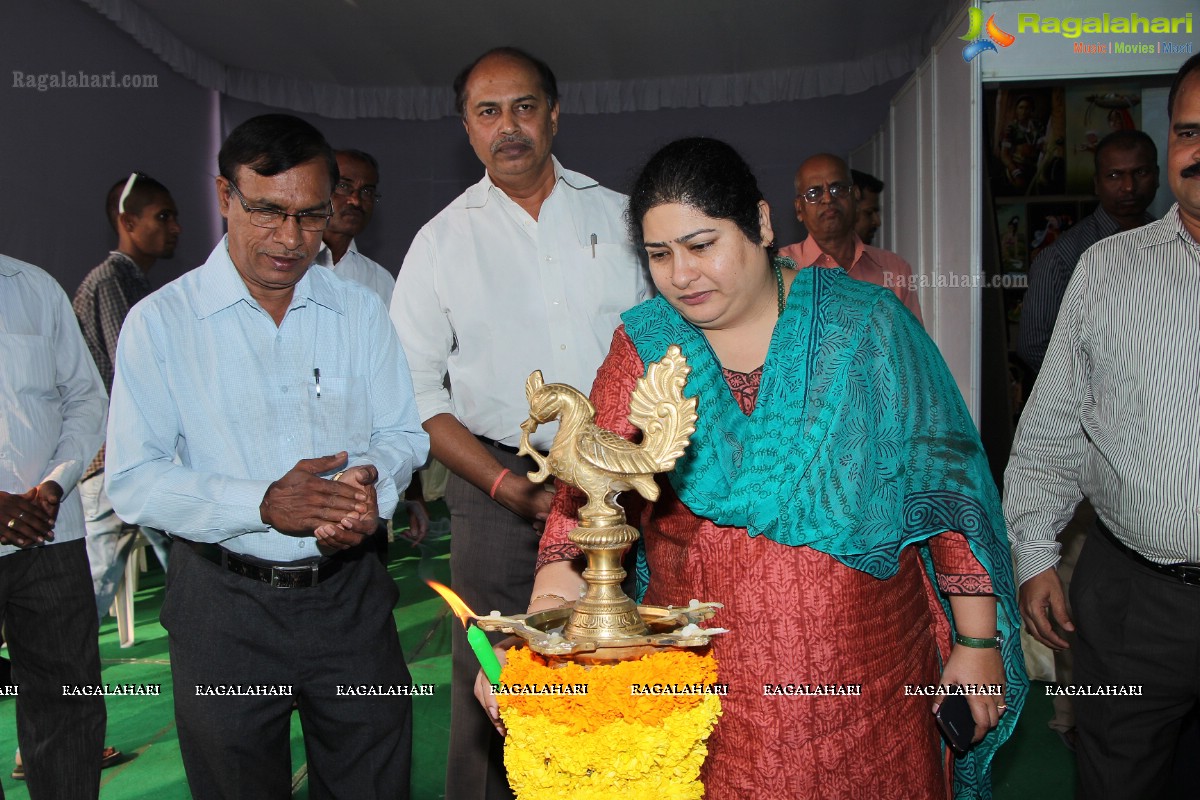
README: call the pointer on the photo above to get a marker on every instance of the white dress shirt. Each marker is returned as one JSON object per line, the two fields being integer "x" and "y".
{"x": 356, "y": 267}
{"x": 52, "y": 402}
{"x": 1113, "y": 415}
{"x": 487, "y": 295}
{"x": 212, "y": 401}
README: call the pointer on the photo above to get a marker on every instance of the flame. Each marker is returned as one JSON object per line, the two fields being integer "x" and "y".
{"x": 460, "y": 609}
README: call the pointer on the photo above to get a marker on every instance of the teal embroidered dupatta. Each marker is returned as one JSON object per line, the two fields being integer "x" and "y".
{"x": 859, "y": 445}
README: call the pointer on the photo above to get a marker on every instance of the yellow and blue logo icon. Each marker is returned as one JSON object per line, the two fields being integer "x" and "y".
{"x": 982, "y": 37}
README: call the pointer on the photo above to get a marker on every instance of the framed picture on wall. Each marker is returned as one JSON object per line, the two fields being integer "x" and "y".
{"x": 1013, "y": 236}
{"x": 1028, "y": 142}
{"x": 1047, "y": 221}
{"x": 1092, "y": 112}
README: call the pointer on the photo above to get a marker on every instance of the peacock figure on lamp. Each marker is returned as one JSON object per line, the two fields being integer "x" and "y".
{"x": 607, "y": 741}
{"x": 600, "y": 463}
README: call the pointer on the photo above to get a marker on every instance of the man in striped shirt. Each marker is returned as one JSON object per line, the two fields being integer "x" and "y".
{"x": 1113, "y": 418}
{"x": 1126, "y": 181}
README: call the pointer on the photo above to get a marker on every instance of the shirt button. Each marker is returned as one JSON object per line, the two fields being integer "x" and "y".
{"x": 562, "y": 347}
{"x": 549, "y": 258}
{"x": 283, "y": 389}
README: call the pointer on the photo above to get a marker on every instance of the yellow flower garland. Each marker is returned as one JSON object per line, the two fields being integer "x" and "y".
{"x": 608, "y": 742}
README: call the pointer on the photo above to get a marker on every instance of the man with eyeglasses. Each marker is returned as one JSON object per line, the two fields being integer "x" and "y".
{"x": 827, "y": 204}
{"x": 354, "y": 197}
{"x": 262, "y": 413}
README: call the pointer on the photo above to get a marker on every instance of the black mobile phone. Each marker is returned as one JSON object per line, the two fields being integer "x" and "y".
{"x": 956, "y": 723}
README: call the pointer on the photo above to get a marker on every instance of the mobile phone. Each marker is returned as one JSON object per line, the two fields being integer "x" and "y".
{"x": 956, "y": 723}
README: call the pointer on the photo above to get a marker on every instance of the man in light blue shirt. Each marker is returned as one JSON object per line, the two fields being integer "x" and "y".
{"x": 263, "y": 415}
{"x": 52, "y": 408}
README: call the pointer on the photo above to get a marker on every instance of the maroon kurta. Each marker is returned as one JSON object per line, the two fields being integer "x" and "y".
{"x": 796, "y": 616}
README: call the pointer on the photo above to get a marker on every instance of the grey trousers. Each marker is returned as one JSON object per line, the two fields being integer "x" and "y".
{"x": 492, "y": 558}
{"x": 1134, "y": 627}
{"x": 50, "y": 625}
{"x": 227, "y": 630}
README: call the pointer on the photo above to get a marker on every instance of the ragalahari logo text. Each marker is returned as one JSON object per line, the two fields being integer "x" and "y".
{"x": 978, "y": 43}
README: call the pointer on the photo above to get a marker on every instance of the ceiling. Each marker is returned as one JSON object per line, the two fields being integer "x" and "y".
{"x": 616, "y": 47}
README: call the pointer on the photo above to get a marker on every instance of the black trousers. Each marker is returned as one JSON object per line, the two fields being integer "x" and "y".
{"x": 1134, "y": 627}
{"x": 492, "y": 558}
{"x": 50, "y": 625}
{"x": 226, "y": 630}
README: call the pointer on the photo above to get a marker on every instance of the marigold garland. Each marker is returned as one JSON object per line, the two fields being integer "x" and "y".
{"x": 608, "y": 742}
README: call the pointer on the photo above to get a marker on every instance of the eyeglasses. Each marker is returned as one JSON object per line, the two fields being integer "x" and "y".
{"x": 365, "y": 193}
{"x": 836, "y": 191}
{"x": 274, "y": 218}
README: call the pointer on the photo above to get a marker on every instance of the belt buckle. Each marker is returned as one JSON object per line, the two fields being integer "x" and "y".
{"x": 293, "y": 577}
{"x": 1188, "y": 574}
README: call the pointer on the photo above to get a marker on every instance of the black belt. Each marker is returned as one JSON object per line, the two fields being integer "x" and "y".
{"x": 1183, "y": 572}
{"x": 498, "y": 445}
{"x": 301, "y": 575}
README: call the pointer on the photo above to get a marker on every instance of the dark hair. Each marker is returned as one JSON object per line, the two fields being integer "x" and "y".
{"x": 545, "y": 76}
{"x": 359, "y": 155}
{"x": 866, "y": 182}
{"x": 144, "y": 190}
{"x": 1189, "y": 66}
{"x": 273, "y": 143}
{"x": 706, "y": 174}
{"x": 1125, "y": 140}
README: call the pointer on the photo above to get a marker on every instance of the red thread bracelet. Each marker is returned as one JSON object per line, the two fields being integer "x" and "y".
{"x": 496, "y": 485}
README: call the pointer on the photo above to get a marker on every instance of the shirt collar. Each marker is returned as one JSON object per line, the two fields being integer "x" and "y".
{"x": 813, "y": 254}
{"x": 1166, "y": 229}
{"x": 477, "y": 196}
{"x": 325, "y": 255}
{"x": 221, "y": 286}
{"x": 9, "y": 266}
{"x": 124, "y": 261}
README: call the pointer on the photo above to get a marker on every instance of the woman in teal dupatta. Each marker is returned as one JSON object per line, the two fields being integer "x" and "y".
{"x": 835, "y": 462}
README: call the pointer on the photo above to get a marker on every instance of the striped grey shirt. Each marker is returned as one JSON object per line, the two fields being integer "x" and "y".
{"x": 1115, "y": 413}
{"x": 1048, "y": 278}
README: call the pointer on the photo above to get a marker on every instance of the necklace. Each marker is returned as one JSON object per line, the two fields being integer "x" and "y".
{"x": 778, "y": 286}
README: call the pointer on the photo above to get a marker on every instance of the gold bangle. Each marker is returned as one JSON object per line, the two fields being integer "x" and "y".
{"x": 564, "y": 600}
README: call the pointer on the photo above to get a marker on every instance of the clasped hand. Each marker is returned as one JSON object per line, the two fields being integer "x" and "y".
{"x": 340, "y": 513}
{"x": 27, "y": 519}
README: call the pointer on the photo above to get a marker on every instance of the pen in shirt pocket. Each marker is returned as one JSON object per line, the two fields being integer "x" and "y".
{"x": 593, "y": 245}
{"x": 317, "y": 380}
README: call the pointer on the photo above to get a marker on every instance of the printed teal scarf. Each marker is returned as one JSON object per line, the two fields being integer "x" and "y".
{"x": 859, "y": 445}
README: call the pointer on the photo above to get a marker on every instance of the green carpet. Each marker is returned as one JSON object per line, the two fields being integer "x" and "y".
{"x": 1033, "y": 765}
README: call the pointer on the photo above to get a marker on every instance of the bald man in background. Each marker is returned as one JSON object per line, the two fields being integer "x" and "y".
{"x": 827, "y": 203}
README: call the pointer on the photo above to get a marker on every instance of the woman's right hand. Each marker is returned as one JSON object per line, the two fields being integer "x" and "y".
{"x": 483, "y": 689}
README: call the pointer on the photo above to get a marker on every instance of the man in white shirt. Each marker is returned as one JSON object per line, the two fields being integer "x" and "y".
{"x": 52, "y": 410}
{"x": 528, "y": 269}
{"x": 354, "y": 198}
